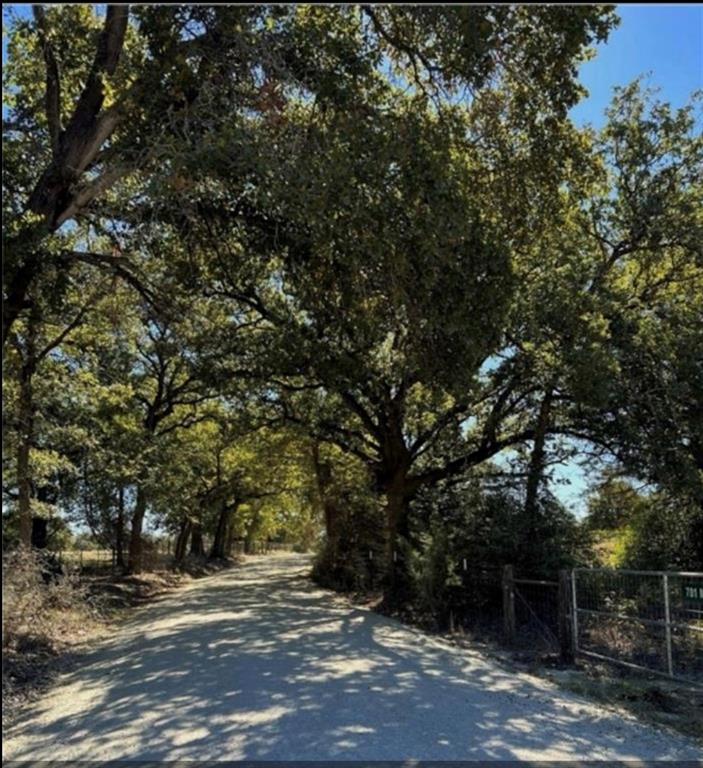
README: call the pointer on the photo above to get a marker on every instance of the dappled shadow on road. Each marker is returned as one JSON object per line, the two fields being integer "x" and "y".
{"x": 259, "y": 664}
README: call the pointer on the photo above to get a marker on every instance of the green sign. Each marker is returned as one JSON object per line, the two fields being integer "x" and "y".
{"x": 693, "y": 592}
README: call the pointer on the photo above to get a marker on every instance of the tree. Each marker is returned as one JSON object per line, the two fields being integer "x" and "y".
{"x": 120, "y": 92}
{"x": 614, "y": 505}
{"x": 37, "y": 366}
{"x": 643, "y": 404}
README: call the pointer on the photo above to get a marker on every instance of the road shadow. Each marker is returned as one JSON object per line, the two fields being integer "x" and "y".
{"x": 259, "y": 664}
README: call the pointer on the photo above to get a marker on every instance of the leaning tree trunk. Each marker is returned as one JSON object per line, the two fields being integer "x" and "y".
{"x": 135, "y": 538}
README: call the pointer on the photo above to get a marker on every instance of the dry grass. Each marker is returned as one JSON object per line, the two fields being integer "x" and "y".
{"x": 665, "y": 703}
{"x": 50, "y": 616}
{"x": 44, "y": 616}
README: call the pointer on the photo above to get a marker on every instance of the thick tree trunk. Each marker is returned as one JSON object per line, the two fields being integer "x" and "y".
{"x": 218, "y": 549}
{"x": 397, "y": 577}
{"x": 331, "y": 521}
{"x": 40, "y": 532}
{"x": 135, "y": 538}
{"x": 197, "y": 547}
{"x": 181, "y": 547}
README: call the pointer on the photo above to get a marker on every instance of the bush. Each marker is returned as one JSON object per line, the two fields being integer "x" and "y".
{"x": 40, "y": 605}
{"x": 343, "y": 563}
{"x": 665, "y": 534}
{"x": 433, "y": 573}
{"x": 488, "y": 530}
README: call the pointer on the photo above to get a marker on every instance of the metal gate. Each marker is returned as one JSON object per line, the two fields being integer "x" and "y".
{"x": 648, "y": 620}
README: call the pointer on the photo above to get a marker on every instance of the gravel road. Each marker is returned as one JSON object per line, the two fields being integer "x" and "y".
{"x": 257, "y": 663}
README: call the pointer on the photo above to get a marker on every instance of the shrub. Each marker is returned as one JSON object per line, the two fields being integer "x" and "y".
{"x": 665, "y": 534}
{"x": 40, "y": 605}
{"x": 354, "y": 559}
{"x": 488, "y": 530}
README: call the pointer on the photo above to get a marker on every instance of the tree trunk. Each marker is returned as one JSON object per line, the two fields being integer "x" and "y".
{"x": 324, "y": 507}
{"x": 25, "y": 417}
{"x": 217, "y": 551}
{"x": 135, "y": 539}
{"x": 397, "y": 576}
{"x": 24, "y": 488}
{"x": 332, "y": 517}
{"x": 179, "y": 551}
{"x": 119, "y": 530}
{"x": 536, "y": 467}
{"x": 197, "y": 547}
{"x": 40, "y": 532}
{"x": 229, "y": 543}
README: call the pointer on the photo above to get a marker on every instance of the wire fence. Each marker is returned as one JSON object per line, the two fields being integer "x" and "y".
{"x": 156, "y": 555}
{"x": 646, "y": 620}
{"x": 537, "y": 614}
{"x": 649, "y": 620}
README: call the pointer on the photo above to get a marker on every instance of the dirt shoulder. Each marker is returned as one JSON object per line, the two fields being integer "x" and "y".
{"x": 31, "y": 665}
{"x": 667, "y": 704}
{"x": 256, "y": 663}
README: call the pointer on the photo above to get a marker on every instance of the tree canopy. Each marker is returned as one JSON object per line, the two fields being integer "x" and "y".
{"x": 274, "y": 270}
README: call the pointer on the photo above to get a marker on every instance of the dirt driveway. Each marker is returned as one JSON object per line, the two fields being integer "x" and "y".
{"x": 257, "y": 663}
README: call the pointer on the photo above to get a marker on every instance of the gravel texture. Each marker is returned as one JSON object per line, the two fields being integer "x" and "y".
{"x": 257, "y": 663}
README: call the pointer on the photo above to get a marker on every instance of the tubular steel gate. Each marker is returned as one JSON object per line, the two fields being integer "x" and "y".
{"x": 648, "y": 620}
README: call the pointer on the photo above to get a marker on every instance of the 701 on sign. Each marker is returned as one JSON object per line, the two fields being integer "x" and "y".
{"x": 693, "y": 592}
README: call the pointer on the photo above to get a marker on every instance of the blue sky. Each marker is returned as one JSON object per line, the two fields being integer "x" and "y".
{"x": 663, "y": 43}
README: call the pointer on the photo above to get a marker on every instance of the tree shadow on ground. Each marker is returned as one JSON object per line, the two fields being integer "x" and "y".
{"x": 260, "y": 664}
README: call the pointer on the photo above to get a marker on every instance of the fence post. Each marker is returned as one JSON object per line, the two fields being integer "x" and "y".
{"x": 667, "y": 618}
{"x": 566, "y": 645}
{"x": 508, "y": 604}
{"x": 574, "y": 614}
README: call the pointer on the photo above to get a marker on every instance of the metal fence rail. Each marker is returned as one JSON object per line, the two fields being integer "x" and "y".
{"x": 648, "y": 620}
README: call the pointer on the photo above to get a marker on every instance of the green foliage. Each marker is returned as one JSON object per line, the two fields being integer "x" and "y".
{"x": 665, "y": 534}
{"x": 433, "y": 572}
{"x": 354, "y": 559}
{"x": 614, "y": 505}
{"x": 324, "y": 261}
{"x": 486, "y": 529}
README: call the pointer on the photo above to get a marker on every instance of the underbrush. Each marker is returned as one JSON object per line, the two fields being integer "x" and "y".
{"x": 42, "y": 605}
{"x": 46, "y": 611}
{"x": 49, "y": 611}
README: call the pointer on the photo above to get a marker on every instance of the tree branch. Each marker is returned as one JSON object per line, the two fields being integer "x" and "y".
{"x": 53, "y": 81}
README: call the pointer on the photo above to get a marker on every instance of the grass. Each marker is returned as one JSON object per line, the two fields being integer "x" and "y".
{"x": 74, "y": 615}
{"x": 652, "y": 699}
{"x": 662, "y": 702}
